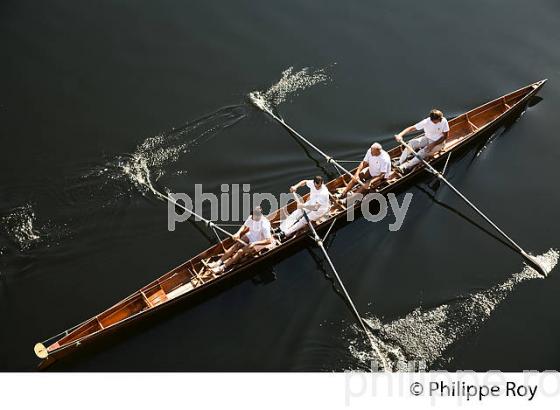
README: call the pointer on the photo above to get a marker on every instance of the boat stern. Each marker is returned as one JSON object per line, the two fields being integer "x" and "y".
{"x": 41, "y": 351}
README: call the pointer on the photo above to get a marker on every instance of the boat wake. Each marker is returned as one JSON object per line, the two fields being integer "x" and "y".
{"x": 102, "y": 189}
{"x": 420, "y": 340}
{"x": 154, "y": 157}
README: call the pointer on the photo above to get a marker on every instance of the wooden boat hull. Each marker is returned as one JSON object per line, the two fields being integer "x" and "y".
{"x": 183, "y": 282}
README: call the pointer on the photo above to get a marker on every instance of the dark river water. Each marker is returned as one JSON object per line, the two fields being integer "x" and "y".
{"x": 102, "y": 101}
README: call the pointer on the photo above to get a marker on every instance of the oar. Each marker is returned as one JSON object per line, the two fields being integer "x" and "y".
{"x": 319, "y": 243}
{"x": 258, "y": 102}
{"x": 531, "y": 259}
{"x": 208, "y": 222}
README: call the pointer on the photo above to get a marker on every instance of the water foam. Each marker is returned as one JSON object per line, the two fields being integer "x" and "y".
{"x": 153, "y": 157}
{"x": 424, "y": 335}
{"x": 19, "y": 227}
{"x": 290, "y": 84}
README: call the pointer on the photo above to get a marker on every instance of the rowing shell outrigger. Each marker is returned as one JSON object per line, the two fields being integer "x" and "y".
{"x": 190, "y": 278}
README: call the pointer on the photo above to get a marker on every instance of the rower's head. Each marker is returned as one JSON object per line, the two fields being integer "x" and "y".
{"x": 436, "y": 116}
{"x": 257, "y": 213}
{"x": 318, "y": 181}
{"x": 376, "y": 149}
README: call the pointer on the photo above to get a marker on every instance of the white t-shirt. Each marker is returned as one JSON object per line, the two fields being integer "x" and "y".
{"x": 320, "y": 196}
{"x": 380, "y": 164}
{"x": 258, "y": 230}
{"x": 433, "y": 131}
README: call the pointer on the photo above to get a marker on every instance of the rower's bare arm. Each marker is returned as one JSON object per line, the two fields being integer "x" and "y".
{"x": 355, "y": 178}
{"x": 308, "y": 206}
{"x": 295, "y": 187}
{"x": 444, "y": 138}
{"x": 447, "y": 135}
{"x": 265, "y": 241}
{"x": 259, "y": 243}
{"x": 407, "y": 130}
{"x": 360, "y": 168}
{"x": 242, "y": 231}
{"x": 378, "y": 178}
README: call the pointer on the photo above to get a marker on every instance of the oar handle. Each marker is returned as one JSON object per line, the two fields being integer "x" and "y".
{"x": 296, "y": 197}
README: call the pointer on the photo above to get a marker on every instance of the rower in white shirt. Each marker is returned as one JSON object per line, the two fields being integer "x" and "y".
{"x": 316, "y": 206}
{"x": 257, "y": 235}
{"x": 378, "y": 162}
{"x": 436, "y": 131}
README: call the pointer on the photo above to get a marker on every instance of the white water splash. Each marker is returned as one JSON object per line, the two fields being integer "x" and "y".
{"x": 291, "y": 83}
{"x": 424, "y": 335}
{"x": 155, "y": 155}
{"x": 19, "y": 227}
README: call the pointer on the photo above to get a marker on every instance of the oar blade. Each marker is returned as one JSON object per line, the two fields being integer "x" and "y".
{"x": 535, "y": 264}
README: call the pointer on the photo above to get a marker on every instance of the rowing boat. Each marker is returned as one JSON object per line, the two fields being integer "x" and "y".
{"x": 192, "y": 278}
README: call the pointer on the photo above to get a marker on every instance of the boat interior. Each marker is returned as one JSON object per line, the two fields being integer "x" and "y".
{"x": 195, "y": 274}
